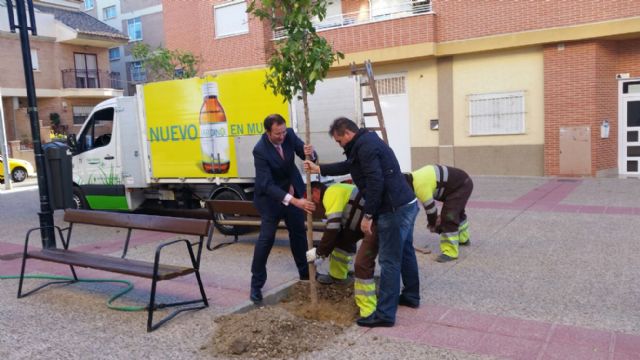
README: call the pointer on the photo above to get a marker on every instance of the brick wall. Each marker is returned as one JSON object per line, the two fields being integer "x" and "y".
{"x": 469, "y": 19}
{"x": 192, "y": 28}
{"x": 382, "y": 34}
{"x": 605, "y": 151}
{"x": 570, "y": 95}
{"x": 629, "y": 57}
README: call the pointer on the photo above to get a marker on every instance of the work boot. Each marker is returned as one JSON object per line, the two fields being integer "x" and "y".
{"x": 444, "y": 258}
{"x": 326, "y": 279}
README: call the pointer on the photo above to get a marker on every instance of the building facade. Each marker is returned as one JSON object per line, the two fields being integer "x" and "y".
{"x": 70, "y": 67}
{"x": 141, "y": 21}
{"x": 494, "y": 87}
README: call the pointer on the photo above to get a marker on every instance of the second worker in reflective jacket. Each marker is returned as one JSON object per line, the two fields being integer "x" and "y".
{"x": 344, "y": 207}
{"x": 452, "y": 187}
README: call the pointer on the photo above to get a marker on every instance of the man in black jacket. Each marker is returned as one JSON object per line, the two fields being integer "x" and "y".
{"x": 278, "y": 194}
{"x": 390, "y": 202}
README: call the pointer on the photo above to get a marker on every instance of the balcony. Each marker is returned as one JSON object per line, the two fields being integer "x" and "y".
{"x": 90, "y": 79}
{"x": 375, "y": 27}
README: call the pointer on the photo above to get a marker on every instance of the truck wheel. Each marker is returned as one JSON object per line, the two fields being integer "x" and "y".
{"x": 230, "y": 192}
{"x": 79, "y": 200}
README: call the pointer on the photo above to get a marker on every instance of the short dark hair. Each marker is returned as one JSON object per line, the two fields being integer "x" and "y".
{"x": 273, "y": 119}
{"x": 341, "y": 124}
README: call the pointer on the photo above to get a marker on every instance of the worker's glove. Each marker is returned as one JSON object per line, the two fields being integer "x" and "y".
{"x": 311, "y": 255}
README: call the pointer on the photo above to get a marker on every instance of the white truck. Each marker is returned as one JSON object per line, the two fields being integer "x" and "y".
{"x": 176, "y": 143}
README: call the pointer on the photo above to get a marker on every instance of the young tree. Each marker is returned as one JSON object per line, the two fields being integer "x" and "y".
{"x": 165, "y": 64}
{"x": 300, "y": 59}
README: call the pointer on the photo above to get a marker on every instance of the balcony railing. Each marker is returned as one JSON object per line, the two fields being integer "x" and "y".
{"x": 369, "y": 15}
{"x": 90, "y": 79}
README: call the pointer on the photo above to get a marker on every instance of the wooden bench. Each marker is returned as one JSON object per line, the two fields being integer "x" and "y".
{"x": 243, "y": 215}
{"x": 154, "y": 270}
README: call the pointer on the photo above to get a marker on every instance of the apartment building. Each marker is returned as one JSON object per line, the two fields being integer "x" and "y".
{"x": 494, "y": 87}
{"x": 70, "y": 66}
{"x": 142, "y": 21}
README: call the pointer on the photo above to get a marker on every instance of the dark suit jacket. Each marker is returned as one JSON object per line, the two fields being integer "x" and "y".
{"x": 274, "y": 175}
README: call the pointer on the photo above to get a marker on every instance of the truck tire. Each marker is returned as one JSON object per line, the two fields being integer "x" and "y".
{"x": 79, "y": 201}
{"x": 229, "y": 192}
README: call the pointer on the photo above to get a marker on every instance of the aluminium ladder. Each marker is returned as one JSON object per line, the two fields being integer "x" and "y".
{"x": 364, "y": 79}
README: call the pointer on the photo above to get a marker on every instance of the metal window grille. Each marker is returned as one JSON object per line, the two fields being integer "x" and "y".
{"x": 388, "y": 86}
{"x": 80, "y": 113}
{"x": 496, "y": 113}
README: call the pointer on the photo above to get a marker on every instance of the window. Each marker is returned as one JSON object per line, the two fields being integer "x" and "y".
{"x": 109, "y": 12}
{"x": 231, "y": 19}
{"x": 97, "y": 133}
{"x": 88, "y": 4}
{"x": 134, "y": 29}
{"x": 496, "y": 113}
{"x": 114, "y": 53}
{"x": 86, "y": 71}
{"x": 80, "y": 114}
{"x": 333, "y": 17}
{"x": 387, "y": 8}
{"x": 34, "y": 60}
{"x": 138, "y": 73}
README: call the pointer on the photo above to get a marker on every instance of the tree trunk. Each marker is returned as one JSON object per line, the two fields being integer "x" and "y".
{"x": 313, "y": 293}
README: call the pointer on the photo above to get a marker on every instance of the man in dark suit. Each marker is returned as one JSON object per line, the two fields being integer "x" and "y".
{"x": 278, "y": 194}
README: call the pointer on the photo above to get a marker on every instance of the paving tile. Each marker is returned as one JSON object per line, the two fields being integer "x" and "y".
{"x": 509, "y": 347}
{"x": 414, "y": 332}
{"x": 468, "y": 320}
{"x": 592, "y": 209}
{"x": 627, "y": 343}
{"x": 625, "y": 356}
{"x": 564, "y": 351}
{"x": 567, "y": 208}
{"x": 594, "y": 339}
{"x": 619, "y": 210}
{"x": 450, "y": 337}
{"x": 527, "y": 329}
{"x": 432, "y": 312}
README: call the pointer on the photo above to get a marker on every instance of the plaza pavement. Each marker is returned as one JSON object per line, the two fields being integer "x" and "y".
{"x": 551, "y": 273}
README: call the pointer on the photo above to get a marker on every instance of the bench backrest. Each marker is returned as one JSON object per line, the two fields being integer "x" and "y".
{"x": 166, "y": 224}
{"x": 236, "y": 207}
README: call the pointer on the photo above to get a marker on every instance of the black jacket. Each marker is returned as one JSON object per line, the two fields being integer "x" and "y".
{"x": 375, "y": 171}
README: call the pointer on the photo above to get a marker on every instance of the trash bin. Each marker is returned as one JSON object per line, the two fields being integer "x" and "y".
{"x": 59, "y": 175}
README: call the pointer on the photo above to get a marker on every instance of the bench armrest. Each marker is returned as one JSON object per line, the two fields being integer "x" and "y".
{"x": 26, "y": 239}
{"x": 194, "y": 261}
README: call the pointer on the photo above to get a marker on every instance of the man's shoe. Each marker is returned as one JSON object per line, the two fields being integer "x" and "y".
{"x": 467, "y": 243}
{"x": 256, "y": 295}
{"x": 373, "y": 321}
{"x": 326, "y": 279}
{"x": 404, "y": 302}
{"x": 444, "y": 258}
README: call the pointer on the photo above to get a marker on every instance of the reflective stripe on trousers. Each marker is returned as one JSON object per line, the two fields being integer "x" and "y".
{"x": 365, "y": 294}
{"x": 463, "y": 232}
{"x": 449, "y": 244}
{"x": 339, "y": 263}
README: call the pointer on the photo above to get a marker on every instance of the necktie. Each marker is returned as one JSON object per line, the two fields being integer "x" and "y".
{"x": 279, "y": 148}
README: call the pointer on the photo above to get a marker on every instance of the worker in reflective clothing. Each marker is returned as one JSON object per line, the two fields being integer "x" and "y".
{"x": 452, "y": 187}
{"x": 344, "y": 208}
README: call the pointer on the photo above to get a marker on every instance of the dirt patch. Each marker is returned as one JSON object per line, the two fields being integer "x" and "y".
{"x": 291, "y": 327}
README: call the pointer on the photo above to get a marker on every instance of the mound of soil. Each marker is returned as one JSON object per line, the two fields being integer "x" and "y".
{"x": 291, "y": 327}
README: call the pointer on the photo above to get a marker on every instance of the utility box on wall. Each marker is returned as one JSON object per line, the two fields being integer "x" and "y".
{"x": 575, "y": 150}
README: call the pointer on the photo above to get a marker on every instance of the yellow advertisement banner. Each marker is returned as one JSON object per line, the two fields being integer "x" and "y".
{"x": 192, "y": 124}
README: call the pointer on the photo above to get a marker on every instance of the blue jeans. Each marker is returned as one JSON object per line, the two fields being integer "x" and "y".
{"x": 397, "y": 259}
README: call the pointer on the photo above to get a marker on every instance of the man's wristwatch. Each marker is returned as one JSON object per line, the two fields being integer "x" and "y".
{"x": 368, "y": 216}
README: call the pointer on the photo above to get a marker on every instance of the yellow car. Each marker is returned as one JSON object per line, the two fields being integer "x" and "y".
{"x": 20, "y": 169}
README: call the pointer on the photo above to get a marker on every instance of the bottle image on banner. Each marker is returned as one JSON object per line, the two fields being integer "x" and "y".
{"x": 214, "y": 140}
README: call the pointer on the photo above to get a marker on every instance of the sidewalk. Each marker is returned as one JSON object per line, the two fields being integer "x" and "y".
{"x": 551, "y": 273}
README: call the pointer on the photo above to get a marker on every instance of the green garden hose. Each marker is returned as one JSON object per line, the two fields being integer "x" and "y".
{"x": 112, "y": 299}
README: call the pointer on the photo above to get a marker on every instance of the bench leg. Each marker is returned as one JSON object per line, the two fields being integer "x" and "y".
{"x": 21, "y": 281}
